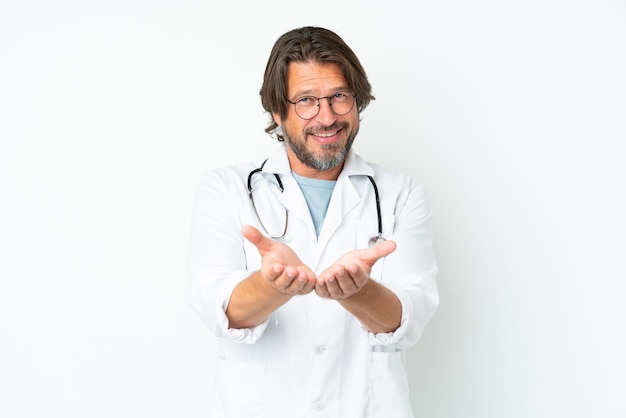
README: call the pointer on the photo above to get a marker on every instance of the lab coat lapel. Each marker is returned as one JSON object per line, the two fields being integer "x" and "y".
{"x": 343, "y": 200}
{"x": 345, "y": 196}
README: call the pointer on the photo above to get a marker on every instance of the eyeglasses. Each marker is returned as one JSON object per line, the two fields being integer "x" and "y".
{"x": 307, "y": 107}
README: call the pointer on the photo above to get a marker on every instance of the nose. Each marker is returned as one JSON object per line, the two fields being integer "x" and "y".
{"x": 326, "y": 114}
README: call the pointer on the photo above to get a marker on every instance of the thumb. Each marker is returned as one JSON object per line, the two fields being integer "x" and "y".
{"x": 381, "y": 249}
{"x": 255, "y": 237}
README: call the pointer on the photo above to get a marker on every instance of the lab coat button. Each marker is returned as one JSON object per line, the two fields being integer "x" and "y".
{"x": 318, "y": 406}
{"x": 319, "y": 349}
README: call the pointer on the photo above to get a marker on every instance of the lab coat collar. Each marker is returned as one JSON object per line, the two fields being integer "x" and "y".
{"x": 345, "y": 197}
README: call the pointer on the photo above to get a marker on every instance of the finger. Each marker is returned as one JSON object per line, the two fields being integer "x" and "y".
{"x": 286, "y": 278}
{"x": 307, "y": 274}
{"x": 272, "y": 272}
{"x": 256, "y": 237}
{"x": 346, "y": 285}
{"x": 380, "y": 250}
{"x": 298, "y": 285}
{"x": 321, "y": 290}
{"x": 302, "y": 284}
{"x": 290, "y": 279}
{"x": 358, "y": 277}
{"x": 331, "y": 273}
{"x": 306, "y": 288}
{"x": 333, "y": 288}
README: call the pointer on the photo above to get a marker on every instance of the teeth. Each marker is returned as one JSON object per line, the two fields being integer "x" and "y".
{"x": 325, "y": 135}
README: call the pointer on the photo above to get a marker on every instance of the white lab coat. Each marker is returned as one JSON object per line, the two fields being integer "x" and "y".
{"x": 312, "y": 358}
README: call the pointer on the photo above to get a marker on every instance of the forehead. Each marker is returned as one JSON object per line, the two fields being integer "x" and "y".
{"x": 314, "y": 78}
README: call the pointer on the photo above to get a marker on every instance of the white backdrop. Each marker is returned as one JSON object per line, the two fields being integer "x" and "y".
{"x": 511, "y": 113}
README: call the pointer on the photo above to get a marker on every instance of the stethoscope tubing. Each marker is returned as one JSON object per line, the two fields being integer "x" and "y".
{"x": 372, "y": 240}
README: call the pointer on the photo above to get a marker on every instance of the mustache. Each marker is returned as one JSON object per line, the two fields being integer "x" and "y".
{"x": 323, "y": 128}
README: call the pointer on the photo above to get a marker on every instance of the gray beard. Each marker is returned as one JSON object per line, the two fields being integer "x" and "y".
{"x": 332, "y": 155}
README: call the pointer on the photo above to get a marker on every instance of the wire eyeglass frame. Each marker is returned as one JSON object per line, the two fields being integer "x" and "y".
{"x": 337, "y": 97}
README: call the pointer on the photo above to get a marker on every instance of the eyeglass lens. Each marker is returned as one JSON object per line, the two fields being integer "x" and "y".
{"x": 308, "y": 107}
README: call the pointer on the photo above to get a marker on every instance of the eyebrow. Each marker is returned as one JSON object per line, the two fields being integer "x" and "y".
{"x": 310, "y": 92}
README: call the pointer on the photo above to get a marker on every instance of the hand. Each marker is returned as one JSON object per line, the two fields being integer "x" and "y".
{"x": 351, "y": 272}
{"x": 281, "y": 268}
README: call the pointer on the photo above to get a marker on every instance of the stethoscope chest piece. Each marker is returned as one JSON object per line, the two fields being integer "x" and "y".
{"x": 374, "y": 240}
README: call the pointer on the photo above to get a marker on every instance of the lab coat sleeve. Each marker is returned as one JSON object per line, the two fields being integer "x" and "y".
{"x": 411, "y": 270}
{"x": 217, "y": 261}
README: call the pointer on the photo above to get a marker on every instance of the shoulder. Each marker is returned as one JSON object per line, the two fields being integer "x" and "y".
{"x": 393, "y": 178}
{"x": 229, "y": 173}
{"x": 226, "y": 179}
{"x": 356, "y": 164}
{"x": 399, "y": 187}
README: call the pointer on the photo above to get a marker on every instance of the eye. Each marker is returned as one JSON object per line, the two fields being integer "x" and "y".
{"x": 306, "y": 100}
{"x": 342, "y": 96}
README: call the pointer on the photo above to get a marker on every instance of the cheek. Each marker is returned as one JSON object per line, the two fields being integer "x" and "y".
{"x": 295, "y": 127}
{"x": 353, "y": 124}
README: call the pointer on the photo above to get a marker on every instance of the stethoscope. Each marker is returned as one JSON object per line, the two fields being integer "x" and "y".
{"x": 371, "y": 242}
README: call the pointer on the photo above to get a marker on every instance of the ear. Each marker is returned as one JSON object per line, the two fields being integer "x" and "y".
{"x": 277, "y": 119}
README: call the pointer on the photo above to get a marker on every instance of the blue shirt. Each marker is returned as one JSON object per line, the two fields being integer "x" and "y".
{"x": 317, "y": 193}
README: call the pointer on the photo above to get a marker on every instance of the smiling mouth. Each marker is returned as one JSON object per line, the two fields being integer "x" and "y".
{"x": 325, "y": 134}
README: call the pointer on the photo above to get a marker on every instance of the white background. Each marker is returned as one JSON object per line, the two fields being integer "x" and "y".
{"x": 510, "y": 113}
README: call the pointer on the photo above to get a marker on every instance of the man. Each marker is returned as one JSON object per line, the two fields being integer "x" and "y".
{"x": 313, "y": 268}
